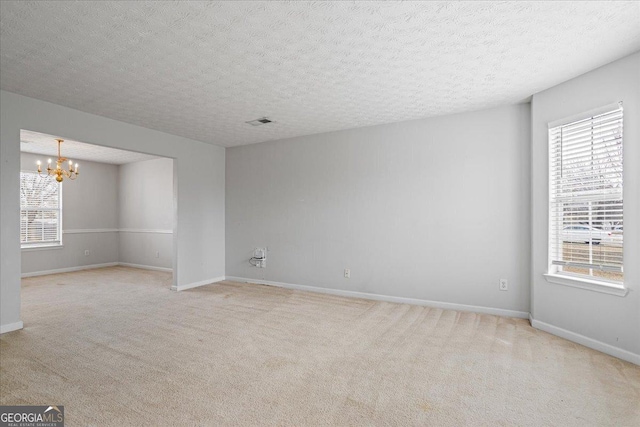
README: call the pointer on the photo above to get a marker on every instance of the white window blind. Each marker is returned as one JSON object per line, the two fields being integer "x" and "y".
{"x": 40, "y": 210}
{"x": 586, "y": 204}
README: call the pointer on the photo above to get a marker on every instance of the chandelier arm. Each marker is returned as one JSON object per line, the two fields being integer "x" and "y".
{"x": 70, "y": 174}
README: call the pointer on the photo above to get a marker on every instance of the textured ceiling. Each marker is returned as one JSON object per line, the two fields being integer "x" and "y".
{"x": 202, "y": 69}
{"x": 40, "y": 143}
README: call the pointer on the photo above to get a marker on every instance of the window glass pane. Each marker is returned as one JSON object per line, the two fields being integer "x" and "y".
{"x": 586, "y": 197}
{"x": 40, "y": 209}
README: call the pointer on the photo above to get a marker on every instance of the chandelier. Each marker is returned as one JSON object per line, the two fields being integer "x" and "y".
{"x": 58, "y": 172}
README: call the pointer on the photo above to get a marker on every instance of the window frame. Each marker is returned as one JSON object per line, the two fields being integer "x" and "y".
{"x": 552, "y": 275}
{"x": 35, "y": 246}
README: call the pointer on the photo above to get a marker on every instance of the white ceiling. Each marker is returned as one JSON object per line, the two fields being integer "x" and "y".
{"x": 40, "y": 143}
{"x": 202, "y": 69}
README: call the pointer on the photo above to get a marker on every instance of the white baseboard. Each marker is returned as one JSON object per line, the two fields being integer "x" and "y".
{"x": 388, "y": 298}
{"x": 587, "y": 342}
{"x": 196, "y": 284}
{"x": 68, "y": 269}
{"x": 10, "y": 327}
{"x": 145, "y": 267}
{"x": 92, "y": 266}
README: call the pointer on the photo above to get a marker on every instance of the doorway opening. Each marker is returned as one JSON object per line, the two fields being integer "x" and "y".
{"x": 113, "y": 209}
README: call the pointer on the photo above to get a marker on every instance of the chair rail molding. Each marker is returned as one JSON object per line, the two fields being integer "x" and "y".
{"x": 117, "y": 230}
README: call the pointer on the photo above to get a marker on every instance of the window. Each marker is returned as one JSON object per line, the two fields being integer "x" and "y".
{"x": 585, "y": 198}
{"x": 40, "y": 210}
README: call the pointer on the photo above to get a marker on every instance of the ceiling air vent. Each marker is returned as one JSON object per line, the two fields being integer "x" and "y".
{"x": 259, "y": 122}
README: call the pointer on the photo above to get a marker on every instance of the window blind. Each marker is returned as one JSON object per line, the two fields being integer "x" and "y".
{"x": 586, "y": 197}
{"x": 40, "y": 210}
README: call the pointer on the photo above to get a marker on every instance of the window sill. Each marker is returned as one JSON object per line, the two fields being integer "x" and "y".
{"x": 590, "y": 285}
{"x": 41, "y": 247}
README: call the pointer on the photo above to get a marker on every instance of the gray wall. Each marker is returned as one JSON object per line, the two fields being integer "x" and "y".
{"x": 609, "y": 319}
{"x": 435, "y": 209}
{"x": 200, "y": 228}
{"x": 145, "y": 213}
{"x": 87, "y": 214}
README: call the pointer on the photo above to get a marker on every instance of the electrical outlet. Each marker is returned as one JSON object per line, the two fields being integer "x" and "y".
{"x": 347, "y": 273}
{"x": 504, "y": 285}
{"x": 86, "y": 252}
{"x": 157, "y": 254}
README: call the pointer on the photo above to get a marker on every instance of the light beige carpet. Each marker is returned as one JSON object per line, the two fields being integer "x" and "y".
{"x": 118, "y": 348}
